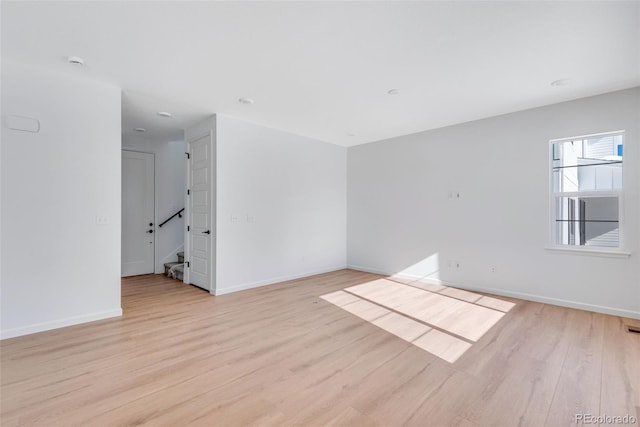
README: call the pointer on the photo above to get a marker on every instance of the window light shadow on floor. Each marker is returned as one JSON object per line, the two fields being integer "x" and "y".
{"x": 441, "y": 320}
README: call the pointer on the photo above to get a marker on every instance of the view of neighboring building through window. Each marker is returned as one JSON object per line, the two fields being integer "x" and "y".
{"x": 587, "y": 190}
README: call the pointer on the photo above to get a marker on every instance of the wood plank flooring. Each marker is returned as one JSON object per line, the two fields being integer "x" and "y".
{"x": 283, "y": 355}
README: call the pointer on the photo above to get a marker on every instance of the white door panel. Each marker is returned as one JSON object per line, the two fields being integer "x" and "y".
{"x": 200, "y": 235}
{"x": 199, "y": 245}
{"x": 200, "y": 199}
{"x": 199, "y": 176}
{"x": 137, "y": 213}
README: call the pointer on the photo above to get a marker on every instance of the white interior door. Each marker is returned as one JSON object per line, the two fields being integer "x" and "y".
{"x": 200, "y": 233}
{"x": 138, "y": 230}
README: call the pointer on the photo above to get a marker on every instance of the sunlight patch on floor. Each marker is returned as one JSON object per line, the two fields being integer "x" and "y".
{"x": 401, "y": 326}
{"x": 445, "y": 346}
{"x": 441, "y": 320}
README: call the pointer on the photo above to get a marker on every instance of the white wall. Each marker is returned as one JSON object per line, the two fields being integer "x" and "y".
{"x": 58, "y": 266}
{"x": 401, "y": 219}
{"x": 169, "y": 193}
{"x": 281, "y": 206}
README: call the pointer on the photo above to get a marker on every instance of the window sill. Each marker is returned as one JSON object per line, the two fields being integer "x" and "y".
{"x": 615, "y": 253}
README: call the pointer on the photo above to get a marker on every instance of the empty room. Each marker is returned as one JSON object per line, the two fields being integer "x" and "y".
{"x": 351, "y": 213}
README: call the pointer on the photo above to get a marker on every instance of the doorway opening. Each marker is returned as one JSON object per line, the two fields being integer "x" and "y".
{"x": 138, "y": 213}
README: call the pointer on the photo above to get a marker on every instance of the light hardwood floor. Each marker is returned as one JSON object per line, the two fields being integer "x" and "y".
{"x": 297, "y": 353}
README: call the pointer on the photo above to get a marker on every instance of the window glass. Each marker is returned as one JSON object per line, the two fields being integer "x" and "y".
{"x": 587, "y": 190}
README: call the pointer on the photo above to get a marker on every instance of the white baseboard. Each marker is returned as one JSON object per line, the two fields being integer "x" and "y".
{"x": 60, "y": 323}
{"x": 368, "y": 270}
{"x": 275, "y": 280}
{"x": 520, "y": 295}
{"x": 400, "y": 275}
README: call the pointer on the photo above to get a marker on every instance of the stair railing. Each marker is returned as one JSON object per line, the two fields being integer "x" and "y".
{"x": 177, "y": 214}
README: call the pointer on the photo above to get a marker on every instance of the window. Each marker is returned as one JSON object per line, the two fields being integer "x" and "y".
{"x": 586, "y": 191}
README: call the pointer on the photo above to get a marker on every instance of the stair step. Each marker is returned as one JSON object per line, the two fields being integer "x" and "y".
{"x": 179, "y": 269}
{"x": 180, "y": 272}
{"x": 168, "y": 265}
{"x": 181, "y": 256}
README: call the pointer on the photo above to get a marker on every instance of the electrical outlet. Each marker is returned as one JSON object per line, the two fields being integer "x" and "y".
{"x": 493, "y": 268}
{"x": 102, "y": 220}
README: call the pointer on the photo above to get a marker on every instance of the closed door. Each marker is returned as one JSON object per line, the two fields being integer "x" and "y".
{"x": 138, "y": 230}
{"x": 200, "y": 233}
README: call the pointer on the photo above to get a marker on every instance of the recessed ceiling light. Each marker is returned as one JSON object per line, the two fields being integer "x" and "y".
{"x": 164, "y": 114}
{"x": 351, "y": 134}
{"x": 140, "y": 129}
{"x": 560, "y": 82}
{"x": 76, "y": 60}
{"x": 247, "y": 101}
{"x": 393, "y": 91}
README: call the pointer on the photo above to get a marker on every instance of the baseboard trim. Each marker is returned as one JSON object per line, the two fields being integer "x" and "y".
{"x": 275, "y": 280}
{"x": 368, "y": 270}
{"x": 506, "y": 293}
{"x": 60, "y": 323}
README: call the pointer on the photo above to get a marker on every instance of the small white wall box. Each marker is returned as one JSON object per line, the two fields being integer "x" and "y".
{"x": 22, "y": 123}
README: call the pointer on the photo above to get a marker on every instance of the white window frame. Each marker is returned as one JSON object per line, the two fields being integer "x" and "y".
{"x": 553, "y": 197}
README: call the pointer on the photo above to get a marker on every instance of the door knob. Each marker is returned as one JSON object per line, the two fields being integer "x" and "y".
{"x": 149, "y": 231}
{"x": 150, "y": 224}
{"x": 206, "y": 232}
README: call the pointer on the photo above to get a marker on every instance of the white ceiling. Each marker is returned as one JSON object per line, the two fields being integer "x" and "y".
{"x": 323, "y": 69}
